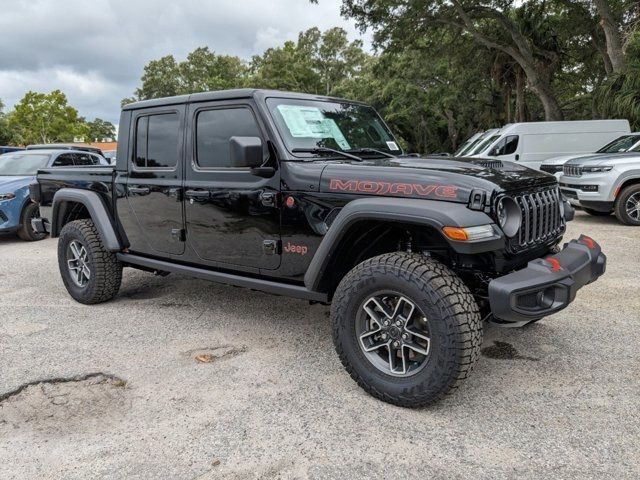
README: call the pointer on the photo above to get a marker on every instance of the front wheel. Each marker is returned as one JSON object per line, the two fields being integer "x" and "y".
{"x": 406, "y": 328}
{"x": 26, "y": 232}
{"x": 627, "y": 208}
{"x": 91, "y": 273}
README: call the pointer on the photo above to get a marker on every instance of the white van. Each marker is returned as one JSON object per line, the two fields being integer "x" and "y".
{"x": 532, "y": 142}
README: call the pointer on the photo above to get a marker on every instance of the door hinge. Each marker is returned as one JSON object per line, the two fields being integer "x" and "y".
{"x": 179, "y": 234}
{"x": 269, "y": 199}
{"x": 271, "y": 247}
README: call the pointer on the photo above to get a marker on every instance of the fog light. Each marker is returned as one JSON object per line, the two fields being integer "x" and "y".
{"x": 546, "y": 297}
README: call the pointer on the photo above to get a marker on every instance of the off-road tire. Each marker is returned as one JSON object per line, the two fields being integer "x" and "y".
{"x": 621, "y": 202}
{"x": 452, "y": 313}
{"x": 106, "y": 270}
{"x": 26, "y": 231}
{"x": 595, "y": 213}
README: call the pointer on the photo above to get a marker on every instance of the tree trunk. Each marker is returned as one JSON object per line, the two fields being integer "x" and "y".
{"x": 540, "y": 84}
{"x": 520, "y": 107}
{"x": 612, "y": 35}
{"x": 451, "y": 127}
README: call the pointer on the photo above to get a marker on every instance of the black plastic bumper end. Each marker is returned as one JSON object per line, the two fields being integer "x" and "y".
{"x": 546, "y": 285}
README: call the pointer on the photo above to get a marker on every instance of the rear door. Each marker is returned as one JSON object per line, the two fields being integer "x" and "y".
{"x": 232, "y": 216}
{"x": 154, "y": 185}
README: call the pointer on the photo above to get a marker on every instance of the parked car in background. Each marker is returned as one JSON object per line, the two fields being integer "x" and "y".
{"x": 65, "y": 146}
{"x": 472, "y": 140}
{"x": 604, "y": 184}
{"x": 5, "y": 149}
{"x": 110, "y": 155}
{"x": 17, "y": 171}
{"x": 625, "y": 143}
{"x": 533, "y": 142}
{"x": 479, "y": 143}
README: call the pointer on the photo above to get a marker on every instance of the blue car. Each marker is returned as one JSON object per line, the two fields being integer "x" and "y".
{"x": 17, "y": 171}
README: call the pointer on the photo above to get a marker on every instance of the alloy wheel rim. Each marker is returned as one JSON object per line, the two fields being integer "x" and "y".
{"x": 78, "y": 263}
{"x": 393, "y": 334}
{"x": 633, "y": 206}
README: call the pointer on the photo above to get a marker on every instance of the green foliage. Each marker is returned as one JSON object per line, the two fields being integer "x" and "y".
{"x": 5, "y": 132}
{"x": 44, "y": 118}
{"x": 98, "y": 129}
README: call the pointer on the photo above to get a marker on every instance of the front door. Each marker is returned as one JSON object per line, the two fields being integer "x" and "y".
{"x": 232, "y": 216}
{"x": 154, "y": 186}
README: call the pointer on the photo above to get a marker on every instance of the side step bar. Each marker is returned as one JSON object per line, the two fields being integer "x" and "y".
{"x": 277, "y": 288}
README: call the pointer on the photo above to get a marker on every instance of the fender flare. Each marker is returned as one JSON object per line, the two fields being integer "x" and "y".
{"x": 622, "y": 179}
{"x": 97, "y": 210}
{"x": 430, "y": 213}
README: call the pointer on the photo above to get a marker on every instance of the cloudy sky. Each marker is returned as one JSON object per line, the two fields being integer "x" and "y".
{"x": 95, "y": 50}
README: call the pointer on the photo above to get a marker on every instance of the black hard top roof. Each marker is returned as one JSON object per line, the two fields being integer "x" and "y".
{"x": 258, "y": 94}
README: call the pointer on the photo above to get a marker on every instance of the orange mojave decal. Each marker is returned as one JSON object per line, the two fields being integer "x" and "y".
{"x": 394, "y": 188}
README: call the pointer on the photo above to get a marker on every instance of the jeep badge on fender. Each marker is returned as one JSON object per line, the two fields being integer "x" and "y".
{"x": 311, "y": 197}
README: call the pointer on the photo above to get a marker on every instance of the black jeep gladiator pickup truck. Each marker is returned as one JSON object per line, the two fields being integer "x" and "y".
{"x": 312, "y": 197}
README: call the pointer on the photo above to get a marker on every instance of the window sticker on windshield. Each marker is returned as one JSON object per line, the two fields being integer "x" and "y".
{"x": 392, "y": 146}
{"x": 309, "y": 122}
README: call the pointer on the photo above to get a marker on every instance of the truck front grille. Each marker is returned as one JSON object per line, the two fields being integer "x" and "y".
{"x": 541, "y": 218}
{"x": 572, "y": 170}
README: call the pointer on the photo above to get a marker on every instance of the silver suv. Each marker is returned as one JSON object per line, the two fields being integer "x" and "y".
{"x": 604, "y": 184}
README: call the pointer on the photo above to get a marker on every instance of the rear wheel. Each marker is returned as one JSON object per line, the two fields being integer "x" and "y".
{"x": 406, "y": 328}
{"x": 596, "y": 213}
{"x": 26, "y": 232}
{"x": 91, "y": 273}
{"x": 627, "y": 207}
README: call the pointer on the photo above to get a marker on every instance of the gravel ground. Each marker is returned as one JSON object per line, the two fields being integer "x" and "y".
{"x": 271, "y": 399}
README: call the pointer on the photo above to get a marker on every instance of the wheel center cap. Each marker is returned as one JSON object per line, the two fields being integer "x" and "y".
{"x": 395, "y": 332}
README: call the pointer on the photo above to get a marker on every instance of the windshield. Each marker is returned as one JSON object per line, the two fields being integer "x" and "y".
{"x": 342, "y": 126}
{"x": 621, "y": 144}
{"x": 18, "y": 164}
{"x": 467, "y": 148}
{"x": 482, "y": 146}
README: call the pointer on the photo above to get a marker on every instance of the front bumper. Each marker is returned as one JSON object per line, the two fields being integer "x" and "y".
{"x": 546, "y": 285}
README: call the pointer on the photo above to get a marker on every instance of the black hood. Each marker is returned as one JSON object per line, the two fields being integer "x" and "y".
{"x": 444, "y": 178}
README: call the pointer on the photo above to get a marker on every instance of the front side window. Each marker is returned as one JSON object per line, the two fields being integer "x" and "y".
{"x": 157, "y": 141}
{"x": 506, "y": 146}
{"x": 214, "y": 128}
{"x": 17, "y": 164}
{"x": 343, "y": 126}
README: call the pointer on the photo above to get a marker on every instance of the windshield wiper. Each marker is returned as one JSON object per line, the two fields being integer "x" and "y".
{"x": 326, "y": 150}
{"x": 372, "y": 150}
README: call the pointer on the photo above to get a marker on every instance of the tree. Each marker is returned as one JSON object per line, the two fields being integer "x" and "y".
{"x": 5, "y": 132}
{"x": 98, "y": 129}
{"x": 611, "y": 27}
{"x": 521, "y": 32}
{"x": 44, "y": 118}
{"x": 202, "y": 71}
{"x": 316, "y": 63}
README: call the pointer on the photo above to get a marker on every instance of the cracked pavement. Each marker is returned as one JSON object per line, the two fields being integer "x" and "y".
{"x": 557, "y": 399}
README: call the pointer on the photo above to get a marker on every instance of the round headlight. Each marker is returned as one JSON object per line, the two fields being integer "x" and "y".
{"x": 509, "y": 216}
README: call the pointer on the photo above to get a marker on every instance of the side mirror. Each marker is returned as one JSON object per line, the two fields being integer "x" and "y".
{"x": 245, "y": 151}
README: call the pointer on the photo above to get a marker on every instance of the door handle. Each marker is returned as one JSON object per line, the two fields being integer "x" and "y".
{"x": 197, "y": 194}
{"x": 139, "y": 190}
